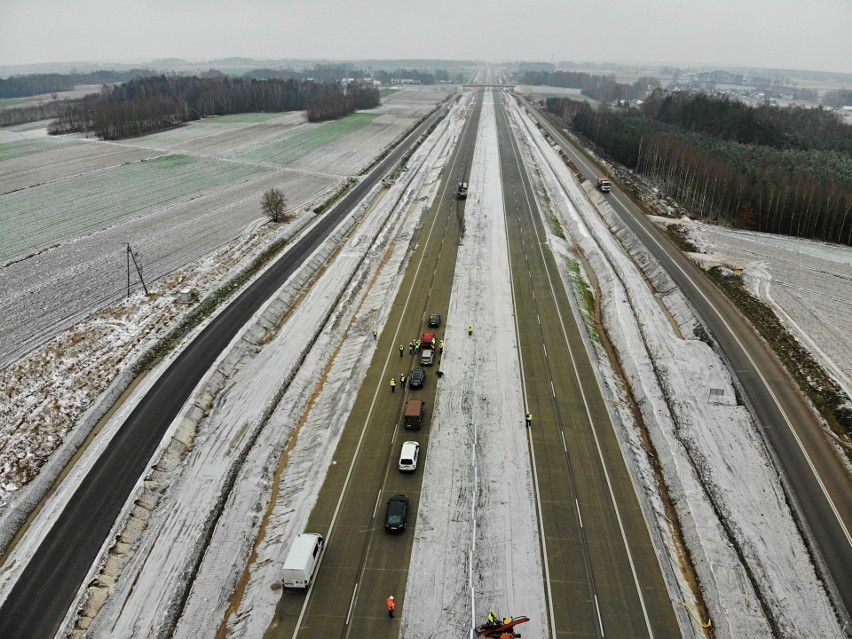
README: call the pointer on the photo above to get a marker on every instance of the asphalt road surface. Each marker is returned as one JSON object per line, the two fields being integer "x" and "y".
{"x": 362, "y": 563}
{"x": 818, "y": 484}
{"x": 38, "y": 602}
{"x": 604, "y": 576}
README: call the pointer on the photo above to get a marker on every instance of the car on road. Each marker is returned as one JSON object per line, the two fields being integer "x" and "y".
{"x": 396, "y": 513}
{"x": 427, "y": 357}
{"x": 408, "y": 456}
{"x": 416, "y": 378}
{"x": 434, "y": 320}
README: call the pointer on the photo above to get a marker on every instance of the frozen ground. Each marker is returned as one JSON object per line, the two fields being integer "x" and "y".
{"x": 807, "y": 283}
{"x": 72, "y": 203}
{"x": 197, "y": 240}
{"x": 727, "y": 496}
{"x": 732, "y": 511}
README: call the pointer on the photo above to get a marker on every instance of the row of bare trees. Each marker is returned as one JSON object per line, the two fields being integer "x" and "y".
{"x": 801, "y": 187}
{"x": 21, "y": 115}
{"x": 770, "y": 199}
{"x": 18, "y": 86}
{"x": 603, "y": 88}
{"x": 149, "y": 104}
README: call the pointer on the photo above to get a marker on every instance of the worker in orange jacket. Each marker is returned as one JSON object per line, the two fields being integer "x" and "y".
{"x": 391, "y": 606}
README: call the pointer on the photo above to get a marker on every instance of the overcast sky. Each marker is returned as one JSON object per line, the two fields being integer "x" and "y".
{"x": 800, "y": 34}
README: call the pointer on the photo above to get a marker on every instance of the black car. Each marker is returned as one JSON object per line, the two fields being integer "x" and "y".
{"x": 434, "y": 320}
{"x": 416, "y": 378}
{"x": 396, "y": 513}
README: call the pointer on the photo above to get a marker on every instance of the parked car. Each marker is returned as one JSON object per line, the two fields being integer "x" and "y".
{"x": 427, "y": 357}
{"x": 408, "y": 456}
{"x": 396, "y": 513}
{"x": 414, "y": 410}
{"x": 434, "y": 320}
{"x": 416, "y": 378}
{"x": 302, "y": 561}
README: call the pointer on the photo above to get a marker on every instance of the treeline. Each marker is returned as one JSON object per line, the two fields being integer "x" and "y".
{"x": 328, "y": 73}
{"x": 777, "y": 171}
{"x": 603, "y": 88}
{"x": 423, "y": 77}
{"x": 725, "y": 118}
{"x": 838, "y": 98}
{"x": 21, "y": 86}
{"x": 148, "y": 104}
{"x": 11, "y": 116}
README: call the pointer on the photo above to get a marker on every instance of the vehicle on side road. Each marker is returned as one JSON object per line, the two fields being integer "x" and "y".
{"x": 604, "y": 185}
{"x": 461, "y": 193}
{"x": 434, "y": 320}
{"x": 417, "y": 378}
{"x": 408, "y": 456}
{"x": 414, "y": 410}
{"x": 396, "y": 513}
{"x": 302, "y": 561}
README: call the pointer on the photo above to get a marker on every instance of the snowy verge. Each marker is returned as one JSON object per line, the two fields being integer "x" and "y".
{"x": 476, "y": 544}
{"x": 58, "y": 393}
{"x": 755, "y": 573}
{"x": 213, "y": 492}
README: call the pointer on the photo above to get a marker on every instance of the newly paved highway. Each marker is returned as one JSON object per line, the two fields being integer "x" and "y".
{"x": 362, "y": 564}
{"x": 604, "y": 579}
{"x": 604, "y": 576}
{"x": 819, "y": 485}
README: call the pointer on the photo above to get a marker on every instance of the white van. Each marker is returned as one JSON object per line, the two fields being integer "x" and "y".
{"x": 302, "y": 561}
{"x": 408, "y": 456}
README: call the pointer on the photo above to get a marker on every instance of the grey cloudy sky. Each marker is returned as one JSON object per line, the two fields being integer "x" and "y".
{"x": 803, "y": 34}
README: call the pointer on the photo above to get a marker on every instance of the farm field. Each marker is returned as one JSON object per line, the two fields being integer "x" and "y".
{"x": 20, "y": 148}
{"x": 97, "y": 200}
{"x": 807, "y": 283}
{"x": 28, "y": 162}
{"x": 307, "y": 138}
{"x": 69, "y": 205}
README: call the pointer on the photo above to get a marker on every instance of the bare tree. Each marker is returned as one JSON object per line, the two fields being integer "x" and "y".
{"x": 273, "y": 205}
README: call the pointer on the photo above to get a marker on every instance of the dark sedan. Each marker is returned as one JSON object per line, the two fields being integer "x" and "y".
{"x": 396, "y": 513}
{"x": 416, "y": 378}
{"x": 434, "y": 320}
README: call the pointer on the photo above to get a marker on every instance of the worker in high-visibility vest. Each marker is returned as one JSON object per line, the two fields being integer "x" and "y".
{"x": 391, "y": 606}
{"x": 393, "y": 385}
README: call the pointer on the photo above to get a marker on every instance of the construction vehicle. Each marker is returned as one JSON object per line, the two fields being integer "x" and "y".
{"x": 501, "y": 628}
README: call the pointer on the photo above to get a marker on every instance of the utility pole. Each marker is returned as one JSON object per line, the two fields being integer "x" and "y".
{"x": 131, "y": 254}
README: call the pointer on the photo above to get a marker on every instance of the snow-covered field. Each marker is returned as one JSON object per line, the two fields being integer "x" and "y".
{"x": 731, "y": 506}
{"x": 71, "y": 204}
{"x": 807, "y": 283}
{"x": 756, "y": 577}
{"x": 187, "y": 236}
